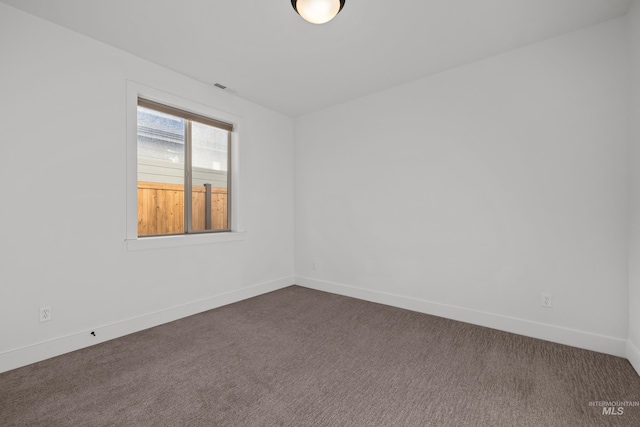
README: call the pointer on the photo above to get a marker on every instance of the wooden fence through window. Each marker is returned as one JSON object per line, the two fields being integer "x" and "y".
{"x": 161, "y": 208}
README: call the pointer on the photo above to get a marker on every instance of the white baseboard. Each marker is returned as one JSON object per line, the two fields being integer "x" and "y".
{"x": 35, "y": 353}
{"x": 633, "y": 354}
{"x": 557, "y": 334}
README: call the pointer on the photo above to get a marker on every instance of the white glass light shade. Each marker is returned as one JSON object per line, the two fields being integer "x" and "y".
{"x": 318, "y": 11}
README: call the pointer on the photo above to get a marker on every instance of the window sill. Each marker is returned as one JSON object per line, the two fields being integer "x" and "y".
{"x": 183, "y": 240}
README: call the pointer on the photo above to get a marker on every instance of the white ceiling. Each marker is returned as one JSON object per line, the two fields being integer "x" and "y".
{"x": 264, "y": 52}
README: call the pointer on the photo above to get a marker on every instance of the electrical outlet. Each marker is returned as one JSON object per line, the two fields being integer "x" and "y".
{"x": 45, "y": 314}
{"x": 546, "y": 300}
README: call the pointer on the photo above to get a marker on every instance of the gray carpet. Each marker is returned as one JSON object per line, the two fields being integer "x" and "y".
{"x": 299, "y": 357}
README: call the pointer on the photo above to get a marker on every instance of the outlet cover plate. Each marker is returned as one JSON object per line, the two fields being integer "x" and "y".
{"x": 45, "y": 314}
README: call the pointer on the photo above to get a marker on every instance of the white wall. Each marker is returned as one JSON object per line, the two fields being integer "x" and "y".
{"x": 62, "y": 238}
{"x": 469, "y": 193}
{"x": 633, "y": 351}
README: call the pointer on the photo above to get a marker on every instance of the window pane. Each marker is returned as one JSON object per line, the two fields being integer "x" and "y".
{"x": 161, "y": 148}
{"x": 209, "y": 184}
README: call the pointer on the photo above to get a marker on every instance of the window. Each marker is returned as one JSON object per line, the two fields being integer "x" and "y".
{"x": 163, "y": 150}
{"x": 183, "y": 171}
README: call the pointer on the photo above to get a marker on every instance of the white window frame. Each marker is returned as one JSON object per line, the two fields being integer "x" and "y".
{"x": 136, "y": 90}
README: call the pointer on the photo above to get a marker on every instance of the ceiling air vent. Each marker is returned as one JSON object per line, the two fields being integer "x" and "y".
{"x": 219, "y": 85}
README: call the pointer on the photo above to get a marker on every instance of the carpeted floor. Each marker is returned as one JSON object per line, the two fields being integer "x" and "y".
{"x": 299, "y": 357}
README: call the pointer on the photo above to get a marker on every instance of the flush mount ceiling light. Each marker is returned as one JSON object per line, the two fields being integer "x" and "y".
{"x": 318, "y": 11}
